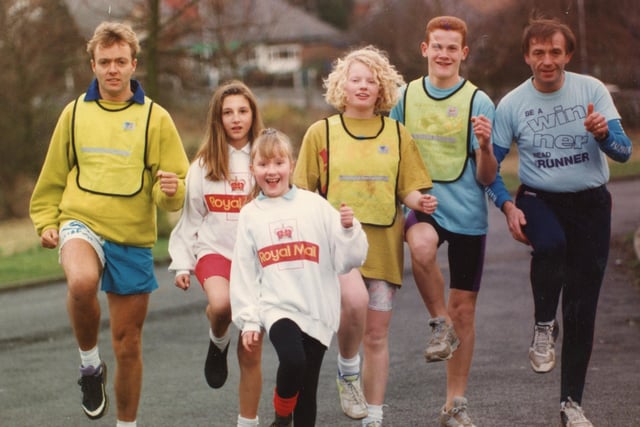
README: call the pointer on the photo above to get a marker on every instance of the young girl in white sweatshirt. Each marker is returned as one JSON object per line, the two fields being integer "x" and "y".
{"x": 202, "y": 242}
{"x": 291, "y": 246}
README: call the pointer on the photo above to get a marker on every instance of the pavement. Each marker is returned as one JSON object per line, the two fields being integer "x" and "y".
{"x": 38, "y": 355}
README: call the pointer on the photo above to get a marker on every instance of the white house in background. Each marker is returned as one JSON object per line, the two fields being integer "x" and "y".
{"x": 278, "y": 59}
{"x": 270, "y": 36}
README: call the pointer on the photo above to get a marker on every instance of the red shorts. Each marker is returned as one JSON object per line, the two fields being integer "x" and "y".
{"x": 212, "y": 265}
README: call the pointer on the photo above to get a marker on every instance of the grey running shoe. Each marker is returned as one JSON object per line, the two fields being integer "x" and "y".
{"x": 215, "y": 367}
{"x": 443, "y": 342}
{"x": 92, "y": 383}
{"x": 571, "y": 415}
{"x": 352, "y": 400}
{"x": 376, "y": 423}
{"x": 282, "y": 421}
{"x": 542, "y": 353}
{"x": 456, "y": 416}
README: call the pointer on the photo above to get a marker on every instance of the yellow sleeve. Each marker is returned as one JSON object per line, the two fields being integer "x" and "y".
{"x": 311, "y": 166}
{"x": 47, "y": 194}
{"x": 413, "y": 172}
{"x": 166, "y": 153}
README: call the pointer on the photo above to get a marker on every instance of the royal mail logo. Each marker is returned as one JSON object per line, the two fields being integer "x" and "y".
{"x": 284, "y": 232}
{"x": 237, "y": 185}
{"x": 224, "y": 203}
{"x": 286, "y": 252}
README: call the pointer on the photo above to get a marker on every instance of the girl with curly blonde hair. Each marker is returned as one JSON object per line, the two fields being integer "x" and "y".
{"x": 383, "y": 72}
{"x": 361, "y": 157}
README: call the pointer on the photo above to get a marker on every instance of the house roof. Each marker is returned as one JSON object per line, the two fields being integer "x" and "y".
{"x": 89, "y": 14}
{"x": 272, "y": 21}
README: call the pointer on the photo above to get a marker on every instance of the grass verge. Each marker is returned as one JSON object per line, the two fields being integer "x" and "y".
{"x": 38, "y": 265}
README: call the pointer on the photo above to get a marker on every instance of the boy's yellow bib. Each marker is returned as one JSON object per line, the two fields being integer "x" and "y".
{"x": 441, "y": 128}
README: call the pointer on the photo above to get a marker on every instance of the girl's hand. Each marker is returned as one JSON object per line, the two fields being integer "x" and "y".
{"x": 346, "y": 216}
{"x": 183, "y": 281}
{"x": 428, "y": 203}
{"x": 250, "y": 340}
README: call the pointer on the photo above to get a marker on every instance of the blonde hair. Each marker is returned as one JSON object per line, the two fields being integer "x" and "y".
{"x": 269, "y": 144}
{"x": 388, "y": 78}
{"x": 214, "y": 151}
{"x": 109, "y": 33}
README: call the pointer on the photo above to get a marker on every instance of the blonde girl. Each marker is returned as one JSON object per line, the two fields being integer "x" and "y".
{"x": 369, "y": 161}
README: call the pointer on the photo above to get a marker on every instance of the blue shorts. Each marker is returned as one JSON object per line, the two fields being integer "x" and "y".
{"x": 127, "y": 270}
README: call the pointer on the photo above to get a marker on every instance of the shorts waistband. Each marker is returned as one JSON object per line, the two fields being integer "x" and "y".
{"x": 570, "y": 196}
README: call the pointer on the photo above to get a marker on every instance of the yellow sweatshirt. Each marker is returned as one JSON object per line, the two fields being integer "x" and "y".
{"x": 124, "y": 220}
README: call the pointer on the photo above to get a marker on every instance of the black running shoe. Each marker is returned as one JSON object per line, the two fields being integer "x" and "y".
{"x": 282, "y": 421}
{"x": 94, "y": 398}
{"x": 215, "y": 368}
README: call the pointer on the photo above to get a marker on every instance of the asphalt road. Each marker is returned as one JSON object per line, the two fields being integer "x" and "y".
{"x": 38, "y": 356}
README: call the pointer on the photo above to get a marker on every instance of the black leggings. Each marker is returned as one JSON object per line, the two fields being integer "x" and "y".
{"x": 300, "y": 358}
{"x": 570, "y": 234}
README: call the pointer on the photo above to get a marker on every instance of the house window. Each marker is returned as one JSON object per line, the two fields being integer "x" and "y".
{"x": 279, "y": 59}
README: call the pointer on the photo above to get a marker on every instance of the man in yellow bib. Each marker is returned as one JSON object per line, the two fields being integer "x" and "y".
{"x": 450, "y": 120}
{"x": 113, "y": 158}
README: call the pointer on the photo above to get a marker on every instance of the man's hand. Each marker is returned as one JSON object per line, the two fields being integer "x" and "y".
{"x": 515, "y": 222}
{"x": 596, "y": 123}
{"x": 49, "y": 238}
{"x": 168, "y": 182}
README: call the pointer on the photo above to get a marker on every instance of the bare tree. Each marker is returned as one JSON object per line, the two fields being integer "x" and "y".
{"x": 39, "y": 52}
{"x": 495, "y": 61}
{"x": 230, "y": 30}
{"x": 164, "y": 45}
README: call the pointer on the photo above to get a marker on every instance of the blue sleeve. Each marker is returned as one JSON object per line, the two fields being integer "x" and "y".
{"x": 397, "y": 112}
{"x": 482, "y": 104}
{"x": 617, "y": 145}
{"x": 497, "y": 191}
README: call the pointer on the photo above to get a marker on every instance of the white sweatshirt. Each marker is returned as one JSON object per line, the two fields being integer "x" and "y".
{"x": 289, "y": 252}
{"x": 210, "y": 214}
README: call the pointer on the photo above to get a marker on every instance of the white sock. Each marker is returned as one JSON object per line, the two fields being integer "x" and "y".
{"x": 222, "y": 342}
{"x": 349, "y": 366}
{"x": 126, "y": 423}
{"x": 549, "y": 323}
{"x": 375, "y": 414}
{"x": 248, "y": 422}
{"x": 90, "y": 357}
